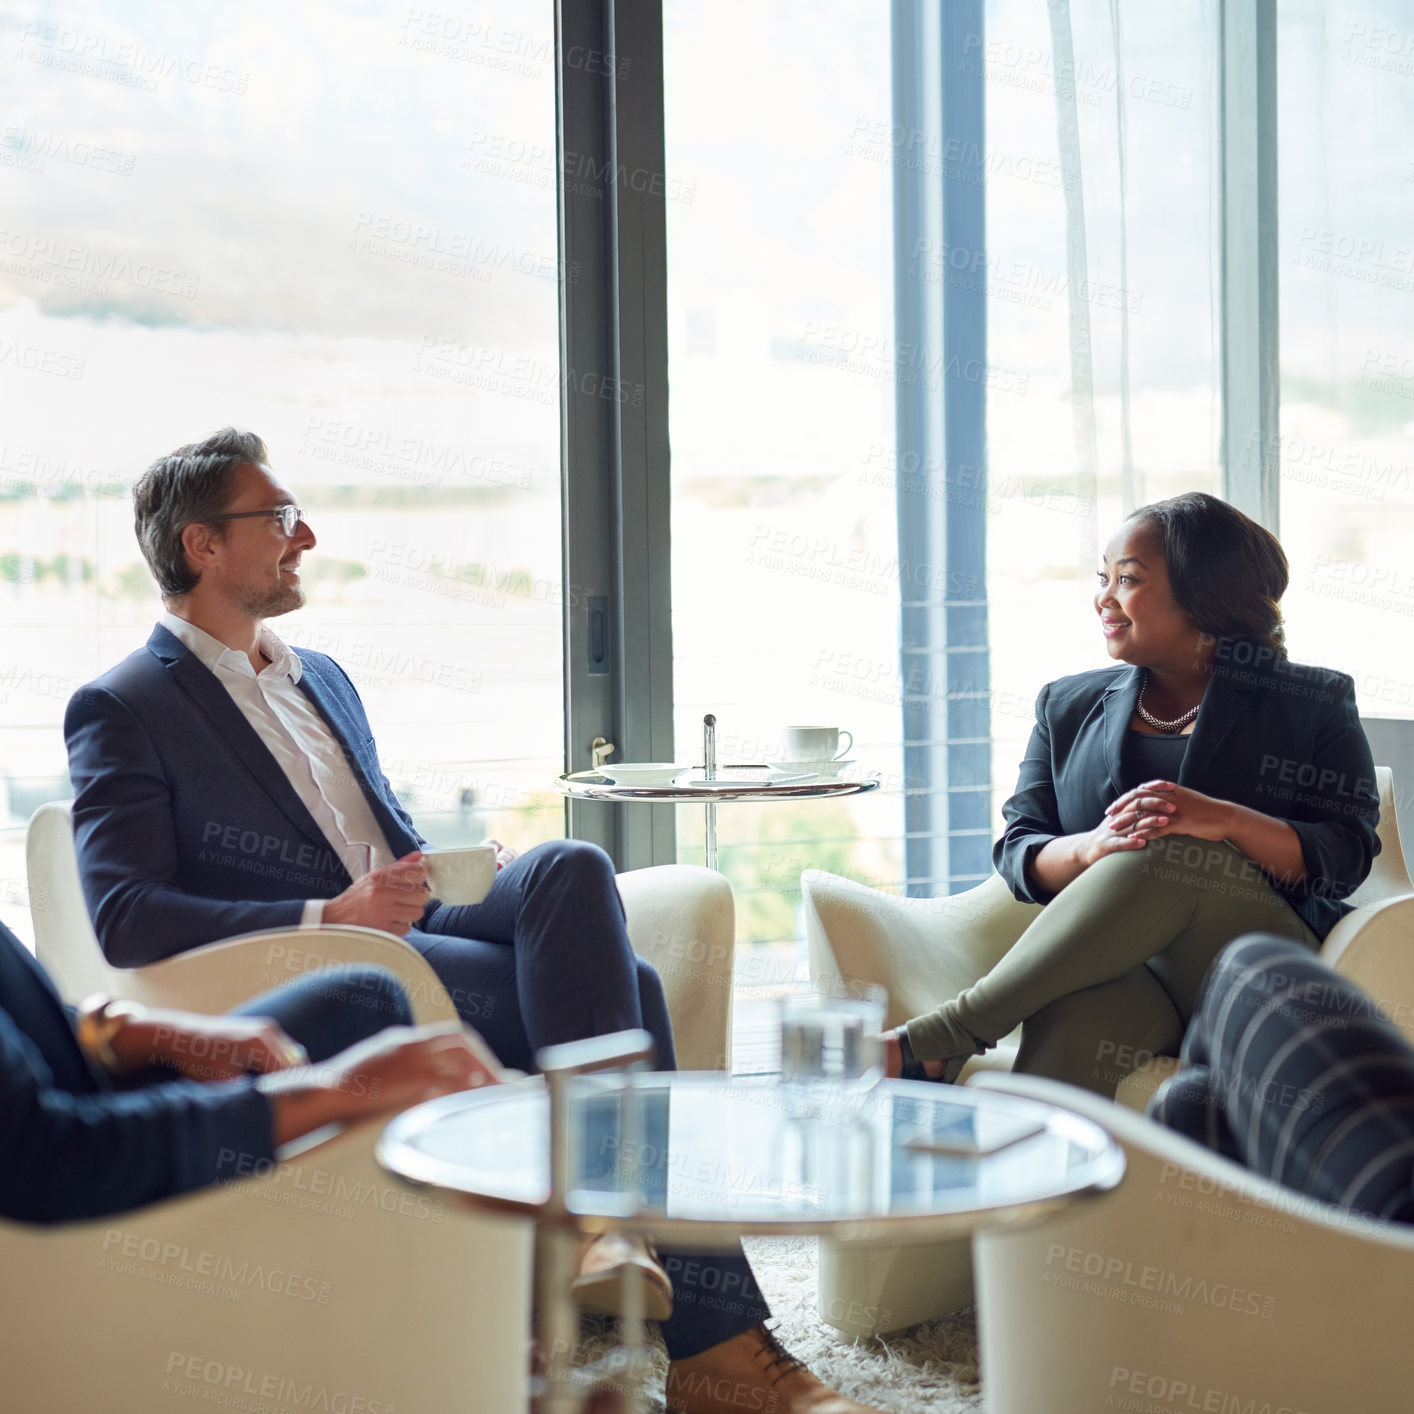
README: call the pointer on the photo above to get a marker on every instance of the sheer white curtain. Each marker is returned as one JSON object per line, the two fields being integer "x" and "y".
{"x": 1345, "y": 96}
{"x": 1102, "y": 220}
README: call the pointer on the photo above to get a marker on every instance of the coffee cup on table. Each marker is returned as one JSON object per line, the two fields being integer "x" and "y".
{"x": 818, "y": 744}
{"x": 459, "y": 876}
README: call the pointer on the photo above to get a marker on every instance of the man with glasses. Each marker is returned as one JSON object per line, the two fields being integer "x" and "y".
{"x": 226, "y": 783}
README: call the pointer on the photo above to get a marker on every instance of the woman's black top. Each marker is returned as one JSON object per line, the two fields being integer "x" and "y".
{"x": 1152, "y": 758}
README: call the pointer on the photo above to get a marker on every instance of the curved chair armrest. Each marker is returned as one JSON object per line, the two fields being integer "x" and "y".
{"x": 1374, "y": 948}
{"x": 1196, "y": 1270}
{"x": 219, "y": 976}
{"x": 1150, "y": 1146}
{"x": 1138, "y": 1087}
{"x": 323, "y": 1273}
{"x": 920, "y": 950}
{"x": 682, "y": 919}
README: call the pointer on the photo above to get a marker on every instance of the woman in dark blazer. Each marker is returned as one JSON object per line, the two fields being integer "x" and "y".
{"x": 1203, "y": 787}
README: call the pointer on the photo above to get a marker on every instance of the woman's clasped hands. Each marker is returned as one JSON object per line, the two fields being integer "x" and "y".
{"x": 1155, "y": 809}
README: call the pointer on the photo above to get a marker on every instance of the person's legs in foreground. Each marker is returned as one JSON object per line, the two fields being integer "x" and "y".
{"x": 1166, "y": 910}
{"x": 332, "y": 1009}
{"x": 1292, "y": 1070}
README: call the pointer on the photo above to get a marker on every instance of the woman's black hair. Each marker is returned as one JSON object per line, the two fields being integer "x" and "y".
{"x": 1227, "y": 572}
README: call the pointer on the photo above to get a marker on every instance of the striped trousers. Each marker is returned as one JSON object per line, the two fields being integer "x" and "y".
{"x": 1294, "y": 1071}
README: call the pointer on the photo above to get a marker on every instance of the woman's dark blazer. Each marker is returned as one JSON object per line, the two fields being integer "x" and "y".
{"x": 1277, "y": 736}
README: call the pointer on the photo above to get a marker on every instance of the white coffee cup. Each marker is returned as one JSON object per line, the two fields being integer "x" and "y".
{"x": 814, "y": 743}
{"x": 458, "y": 876}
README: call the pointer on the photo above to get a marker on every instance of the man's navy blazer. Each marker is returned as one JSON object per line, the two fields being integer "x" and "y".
{"x": 72, "y": 1147}
{"x": 187, "y": 829}
{"x": 1276, "y": 736}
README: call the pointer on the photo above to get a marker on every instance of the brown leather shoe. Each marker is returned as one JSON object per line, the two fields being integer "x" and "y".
{"x": 598, "y": 1287}
{"x": 752, "y": 1371}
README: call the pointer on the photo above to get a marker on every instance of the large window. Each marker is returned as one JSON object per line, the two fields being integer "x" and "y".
{"x": 338, "y": 225}
{"x": 1093, "y": 290}
{"x": 334, "y": 224}
{"x": 1346, "y": 95}
{"x": 1102, "y": 295}
{"x": 785, "y": 575}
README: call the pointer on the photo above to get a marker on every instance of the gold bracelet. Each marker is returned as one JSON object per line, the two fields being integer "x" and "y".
{"x": 100, "y": 1020}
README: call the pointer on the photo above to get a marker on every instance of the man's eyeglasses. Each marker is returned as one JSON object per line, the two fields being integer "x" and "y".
{"x": 288, "y": 516}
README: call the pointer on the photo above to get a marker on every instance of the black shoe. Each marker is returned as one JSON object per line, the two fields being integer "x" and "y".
{"x": 915, "y": 1069}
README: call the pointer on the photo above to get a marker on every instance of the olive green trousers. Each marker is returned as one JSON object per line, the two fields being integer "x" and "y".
{"x": 1109, "y": 974}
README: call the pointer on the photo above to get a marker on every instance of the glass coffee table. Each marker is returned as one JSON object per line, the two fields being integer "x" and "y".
{"x": 700, "y": 1159}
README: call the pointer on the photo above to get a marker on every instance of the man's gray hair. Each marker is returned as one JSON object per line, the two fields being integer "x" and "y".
{"x": 187, "y": 487}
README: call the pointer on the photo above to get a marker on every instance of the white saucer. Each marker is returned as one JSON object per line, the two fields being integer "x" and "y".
{"x": 811, "y": 770}
{"x": 642, "y": 773}
{"x": 732, "y": 777}
{"x": 735, "y": 782}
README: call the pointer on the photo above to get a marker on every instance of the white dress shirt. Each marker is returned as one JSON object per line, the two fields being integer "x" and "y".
{"x": 298, "y": 738}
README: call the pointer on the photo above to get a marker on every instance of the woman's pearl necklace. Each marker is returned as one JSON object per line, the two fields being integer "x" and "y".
{"x": 1154, "y": 722}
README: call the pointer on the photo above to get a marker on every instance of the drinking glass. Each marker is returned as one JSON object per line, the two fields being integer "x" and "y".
{"x": 833, "y": 1038}
{"x": 831, "y": 1058}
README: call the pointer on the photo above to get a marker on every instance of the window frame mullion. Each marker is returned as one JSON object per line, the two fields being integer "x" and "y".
{"x": 613, "y": 408}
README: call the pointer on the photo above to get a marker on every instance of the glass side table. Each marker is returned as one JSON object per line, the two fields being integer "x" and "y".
{"x": 728, "y": 785}
{"x": 701, "y": 1159}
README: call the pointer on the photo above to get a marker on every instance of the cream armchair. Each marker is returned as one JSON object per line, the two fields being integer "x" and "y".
{"x": 315, "y": 1286}
{"x": 321, "y": 1281}
{"x": 923, "y": 950}
{"x": 1193, "y": 1285}
{"x": 680, "y": 917}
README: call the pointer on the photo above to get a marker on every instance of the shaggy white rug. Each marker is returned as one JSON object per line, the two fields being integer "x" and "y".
{"x": 930, "y": 1367}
